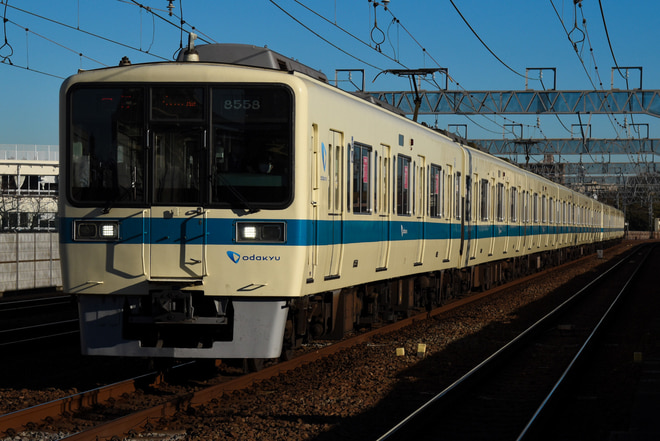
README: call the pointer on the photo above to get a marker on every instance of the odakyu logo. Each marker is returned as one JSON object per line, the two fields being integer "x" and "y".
{"x": 235, "y": 257}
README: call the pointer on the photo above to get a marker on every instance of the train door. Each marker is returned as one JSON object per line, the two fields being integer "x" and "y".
{"x": 514, "y": 218}
{"x": 178, "y": 221}
{"x": 502, "y": 214}
{"x": 419, "y": 211}
{"x": 467, "y": 218}
{"x": 317, "y": 163}
{"x": 450, "y": 212}
{"x": 473, "y": 233}
{"x": 383, "y": 199}
{"x": 495, "y": 202}
{"x": 525, "y": 219}
{"x": 334, "y": 205}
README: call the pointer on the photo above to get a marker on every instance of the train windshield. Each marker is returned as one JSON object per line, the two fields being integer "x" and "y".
{"x": 106, "y": 147}
{"x": 252, "y": 146}
{"x": 225, "y": 146}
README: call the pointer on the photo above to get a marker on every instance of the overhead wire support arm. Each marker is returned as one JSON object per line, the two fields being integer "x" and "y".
{"x": 350, "y": 77}
{"x": 627, "y": 70}
{"x": 540, "y": 70}
{"x": 412, "y": 74}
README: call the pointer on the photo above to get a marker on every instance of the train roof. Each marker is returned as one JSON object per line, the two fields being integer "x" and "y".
{"x": 249, "y": 55}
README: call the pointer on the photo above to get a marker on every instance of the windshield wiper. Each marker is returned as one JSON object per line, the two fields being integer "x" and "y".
{"x": 239, "y": 196}
{"x": 132, "y": 189}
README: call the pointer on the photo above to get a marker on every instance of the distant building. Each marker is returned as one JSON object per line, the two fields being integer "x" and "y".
{"x": 29, "y": 246}
{"x": 29, "y": 181}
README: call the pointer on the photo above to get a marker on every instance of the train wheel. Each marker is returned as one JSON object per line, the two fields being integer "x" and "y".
{"x": 253, "y": 364}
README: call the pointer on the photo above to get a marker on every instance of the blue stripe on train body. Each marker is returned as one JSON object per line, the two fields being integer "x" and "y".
{"x": 302, "y": 232}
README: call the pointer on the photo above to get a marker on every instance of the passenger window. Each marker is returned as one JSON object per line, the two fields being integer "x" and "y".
{"x": 500, "y": 202}
{"x": 457, "y": 196}
{"x": 484, "y": 199}
{"x": 536, "y": 208}
{"x": 361, "y": 178}
{"x": 403, "y": 185}
{"x": 435, "y": 192}
{"x": 514, "y": 205}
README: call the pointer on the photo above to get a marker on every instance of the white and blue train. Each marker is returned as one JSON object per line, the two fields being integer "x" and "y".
{"x": 232, "y": 203}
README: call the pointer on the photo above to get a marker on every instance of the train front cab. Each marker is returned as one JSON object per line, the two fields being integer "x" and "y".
{"x": 192, "y": 262}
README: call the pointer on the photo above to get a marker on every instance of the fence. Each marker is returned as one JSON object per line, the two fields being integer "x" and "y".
{"x": 29, "y": 152}
{"x": 29, "y": 261}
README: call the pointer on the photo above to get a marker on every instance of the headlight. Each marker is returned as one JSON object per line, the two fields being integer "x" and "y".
{"x": 265, "y": 232}
{"x": 95, "y": 230}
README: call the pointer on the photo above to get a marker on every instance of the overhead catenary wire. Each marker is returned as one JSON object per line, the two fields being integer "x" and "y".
{"x": 582, "y": 63}
{"x": 50, "y": 40}
{"x": 6, "y": 57}
{"x": 449, "y": 77}
{"x": 483, "y": 42}
{"x": 77, "y": 29}
{"x": 321, "y": 37}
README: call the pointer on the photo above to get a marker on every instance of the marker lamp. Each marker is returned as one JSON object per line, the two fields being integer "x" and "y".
{"x": 84, "y": 230}
{"x": 263, "y": 232}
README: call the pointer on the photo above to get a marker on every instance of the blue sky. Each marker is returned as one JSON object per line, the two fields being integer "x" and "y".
{"x": 521, "y": 33}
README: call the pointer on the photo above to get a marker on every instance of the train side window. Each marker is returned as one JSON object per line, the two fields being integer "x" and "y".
{"x": 448, "y": 193}
{"x": 443, "y": 207}
{"x": 535, "y": 209}
{"x": 330, "y": 174}
{"x": 420, "y": 189}
{"x": 419, "y": 178}
{"x": 485, "y": 199}
{"x": 551, "y": 214}
{"x": 377, "y": 161}
{"x": 514, "y": 205}
{"x": 349, "y": 185}
{"x": 468, "y": 198}
{"x": 544, "y": 209}
{"x": 457, "y": 196}
{"x": 558, "y": 208}
{"x": 394, "y": 161}
{"x": 500, "y": 202}
{"x": 361, "y": 178}
{"x": 435, "y": 192}
{"x": 403, "y": 185}
{"x": 413, "y": 188}
{"x": 337, "y": 180}
{"x": 385, "y": 184}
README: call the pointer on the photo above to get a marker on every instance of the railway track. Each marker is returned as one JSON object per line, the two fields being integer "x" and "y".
{"x": 36, "y": 319}
{"x": 201, "y": 397}
{"x": 20, "y": 304}
{"x": 516, "y": 392}
{"x": 33, "y": 319}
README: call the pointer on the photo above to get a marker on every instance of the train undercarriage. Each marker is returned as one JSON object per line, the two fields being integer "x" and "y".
{"x": 194, "y": 323}
{"x": 332, "y": 314}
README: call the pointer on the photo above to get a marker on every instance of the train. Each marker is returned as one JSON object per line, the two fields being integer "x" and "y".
{"x": 233, "y": 204}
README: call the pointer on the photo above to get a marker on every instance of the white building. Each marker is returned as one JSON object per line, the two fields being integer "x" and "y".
{"x": 29, "y": 247}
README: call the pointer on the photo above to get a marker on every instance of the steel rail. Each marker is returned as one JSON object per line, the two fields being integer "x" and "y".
{"x": 15, "y": 421}
{"x": 130, "y": 423}
{"x": 6, "y": 332}
{"x": 499, "y": 355}
{"x": 55, "y": 409}
{"x": 527, "y": 431}
{"x": 20, "y": 305}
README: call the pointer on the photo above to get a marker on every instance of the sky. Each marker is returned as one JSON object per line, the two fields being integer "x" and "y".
{"x": 43, "y": 42}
